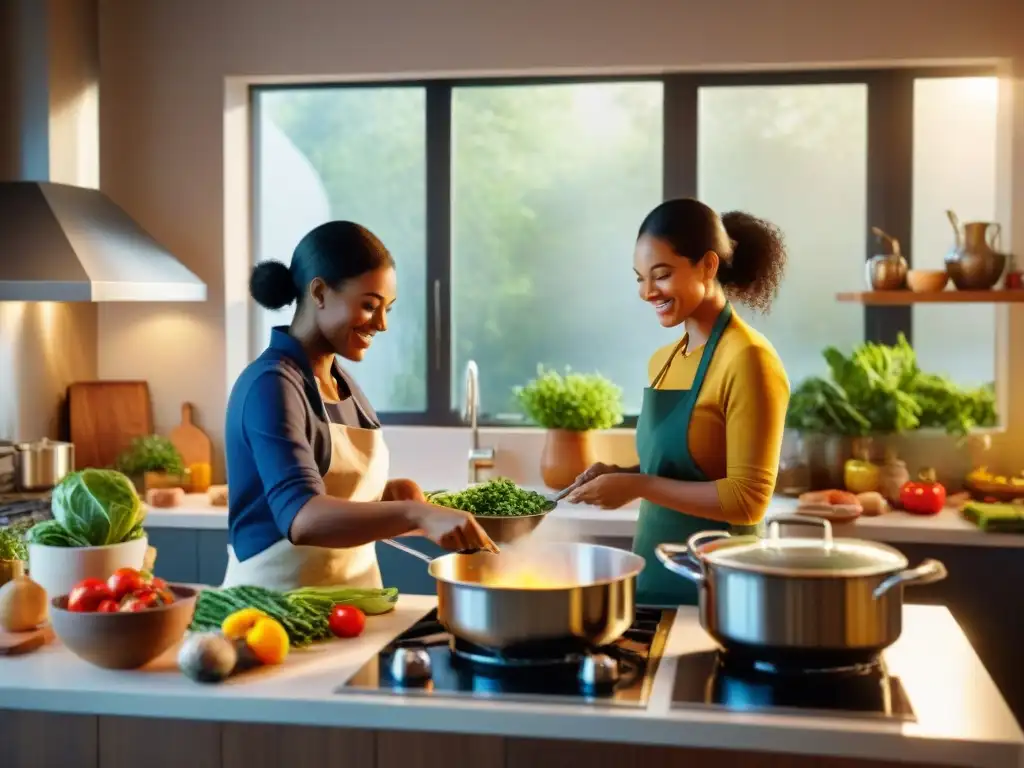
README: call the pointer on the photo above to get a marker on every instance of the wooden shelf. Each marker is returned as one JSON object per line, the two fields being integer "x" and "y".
{"x": 904, "y": 297}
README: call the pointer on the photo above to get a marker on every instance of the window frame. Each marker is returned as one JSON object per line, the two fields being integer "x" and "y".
{"x": 889, "y": 158}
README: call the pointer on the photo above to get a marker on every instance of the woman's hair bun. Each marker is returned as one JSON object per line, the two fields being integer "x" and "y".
{"x": 271, "y": 285}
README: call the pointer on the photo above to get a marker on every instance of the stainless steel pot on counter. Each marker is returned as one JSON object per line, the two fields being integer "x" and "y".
{"x": 549, "y": 595}
{"x": 40, "y": 465}
{"x": 815, "y": 602}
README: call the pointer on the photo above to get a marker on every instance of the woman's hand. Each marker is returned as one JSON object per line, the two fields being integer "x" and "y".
{"x": 402, "y": 490}
{"x": 610, "y": 490}
{"x": 452, "y": 529}
{"x": 594, "y": 471}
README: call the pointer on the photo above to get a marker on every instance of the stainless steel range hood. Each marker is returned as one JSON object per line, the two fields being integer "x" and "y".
{"x": 65, "y": 243}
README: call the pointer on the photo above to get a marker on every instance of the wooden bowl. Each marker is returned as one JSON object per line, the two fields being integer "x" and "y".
{"x": 927, "y": 280}
{"x": 123, "y": 640}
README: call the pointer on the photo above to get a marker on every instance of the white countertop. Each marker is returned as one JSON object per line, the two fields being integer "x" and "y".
{"x": 577, "y": 522}
{"x": 961, "y": 718}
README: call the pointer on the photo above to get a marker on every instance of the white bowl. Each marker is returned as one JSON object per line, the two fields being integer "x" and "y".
{"x": 59, "y": 569}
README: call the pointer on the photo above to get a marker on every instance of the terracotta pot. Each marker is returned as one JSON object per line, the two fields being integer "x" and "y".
{"x": 11, "y": 570}
{"x": 565, "y": 455}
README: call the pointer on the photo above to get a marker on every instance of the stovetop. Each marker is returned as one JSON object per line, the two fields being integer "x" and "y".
{"x": 427, "y": 661}
{"x": 24, "y": 508}
{"x": 711, "y": 679}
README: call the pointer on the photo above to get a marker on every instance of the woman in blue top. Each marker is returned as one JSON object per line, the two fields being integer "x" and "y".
{"x": 308, "y": 487}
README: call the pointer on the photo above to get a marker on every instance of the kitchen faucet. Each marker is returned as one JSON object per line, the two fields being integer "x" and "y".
{"x": 479, "y": 458}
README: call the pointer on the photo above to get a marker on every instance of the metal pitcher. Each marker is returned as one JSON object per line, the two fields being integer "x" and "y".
{"x": 886, "y": 271}
{"x": 974, "y": 263}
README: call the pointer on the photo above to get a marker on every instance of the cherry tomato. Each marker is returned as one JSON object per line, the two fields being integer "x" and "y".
{"x": 146, "y": 597}
{"x": 347, "y": 621}
{"x": 157, "y": 583}
{"x": 124, "y": 581}
{"x": 107, "y": 606}
{"x": 87, "y": 595}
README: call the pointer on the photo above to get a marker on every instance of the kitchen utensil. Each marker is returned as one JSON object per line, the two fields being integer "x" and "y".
{"x": 570, "y": 593}
{"x": 124, "y": 640}
{"x": 822, "y": 602}
{"x": 888, "y": 271}
{"x": 17, "y": 643}
{"x": 105, "y": 416}
{"x": 40, "y": 465}
{"x": 927, "y": 280}
{"x": 974, "y": 264}
{"x": 59, "y": 569}
{"x": 194, "y": 446}
{"x": 504, "y": 529}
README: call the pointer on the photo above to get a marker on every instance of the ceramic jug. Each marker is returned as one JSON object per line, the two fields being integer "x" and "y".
{"x": 974, "y": 264}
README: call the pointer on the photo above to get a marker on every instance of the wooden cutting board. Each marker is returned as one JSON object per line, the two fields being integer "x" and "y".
{"x": 191, "y": 442}
{"x": 14, "y": 643}
{"x": 104, "y": 417}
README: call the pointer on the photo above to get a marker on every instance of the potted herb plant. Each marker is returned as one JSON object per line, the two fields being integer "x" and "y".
{"x": 13, "y": 554}
{"x": 153, "y": 462}
{"x": 96, "y": 529}
{"x": 570, "y": 407}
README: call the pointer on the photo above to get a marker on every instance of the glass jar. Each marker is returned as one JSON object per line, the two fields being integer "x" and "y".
{"x": 794, "y": 468}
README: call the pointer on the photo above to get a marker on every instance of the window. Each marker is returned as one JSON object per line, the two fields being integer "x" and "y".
{"x": 357, "y": 154}
{"x": 797, "y": 156}
{"x": 954, "y": 169}
{"x": 512, "y": 206}
{"x": 549, "y": 186}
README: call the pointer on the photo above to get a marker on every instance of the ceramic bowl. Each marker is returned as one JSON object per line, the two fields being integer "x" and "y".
{"x": 123, "y": 640}
{"x": 59, "y": 569}
{"x": 927, "y": 280}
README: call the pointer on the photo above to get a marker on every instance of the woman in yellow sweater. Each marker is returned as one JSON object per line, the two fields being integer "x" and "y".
{"x": 710, "y": 428}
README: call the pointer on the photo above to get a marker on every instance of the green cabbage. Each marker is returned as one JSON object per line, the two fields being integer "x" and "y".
{"x": 92, "y": 508}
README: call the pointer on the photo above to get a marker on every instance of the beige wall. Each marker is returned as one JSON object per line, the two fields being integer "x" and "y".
{"x": 164, "y": 66}
{"x": 49, "y": 73}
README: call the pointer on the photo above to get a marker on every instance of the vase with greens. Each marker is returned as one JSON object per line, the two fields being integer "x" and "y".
{"x": 13, "y": 553}
{"x": 878, "y": 390}
{"x": 570, "y": 406}
{"x": 153, "y": 462}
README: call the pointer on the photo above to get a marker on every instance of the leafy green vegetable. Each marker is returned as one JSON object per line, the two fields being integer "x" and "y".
{"x": 152, "y": 453}
{"x": 12, "y": 543}
{"x": 495, "y": 498}
{"x": 880, "y": 389}
{"x": 91, "y": 508}
{"x": 575, "y": 401}
{"x": 302, "y": 612}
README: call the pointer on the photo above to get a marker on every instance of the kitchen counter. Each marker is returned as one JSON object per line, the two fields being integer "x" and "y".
{"x": 961, "y": 718}
{"x": 575, "y": 521}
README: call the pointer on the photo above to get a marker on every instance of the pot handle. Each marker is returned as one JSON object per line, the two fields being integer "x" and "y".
{"x": 928, "y": 572}
{"x": 686, "y": 567}
{"x": 698, "y": 540}
{"x": 818, "y": 522}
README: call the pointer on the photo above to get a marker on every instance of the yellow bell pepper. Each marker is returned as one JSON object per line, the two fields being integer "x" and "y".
{"x": 861, "y": 476}
{"x": 268, "y": 641}
{"x": 238, "y": 624}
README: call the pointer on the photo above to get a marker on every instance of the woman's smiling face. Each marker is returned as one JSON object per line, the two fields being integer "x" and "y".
{"x": 669, "y": 282}
{"x": 350, "y": 316}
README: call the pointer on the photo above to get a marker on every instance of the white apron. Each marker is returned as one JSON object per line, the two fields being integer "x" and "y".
{"x": 358, "y": 472}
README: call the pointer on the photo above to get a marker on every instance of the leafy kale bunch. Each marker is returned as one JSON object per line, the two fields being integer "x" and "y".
{"x": 880, "y": 389}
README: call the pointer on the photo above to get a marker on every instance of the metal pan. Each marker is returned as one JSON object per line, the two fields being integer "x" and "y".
{"x": 522, "y": 600}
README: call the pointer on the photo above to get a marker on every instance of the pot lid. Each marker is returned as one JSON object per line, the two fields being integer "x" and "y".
{"x": 824, "y": 557}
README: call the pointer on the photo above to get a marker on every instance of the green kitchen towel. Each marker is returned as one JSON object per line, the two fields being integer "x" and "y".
{"x": 995, "y": 518}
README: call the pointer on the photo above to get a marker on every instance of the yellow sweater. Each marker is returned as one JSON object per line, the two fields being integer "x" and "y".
{"x": 735, "y": 433}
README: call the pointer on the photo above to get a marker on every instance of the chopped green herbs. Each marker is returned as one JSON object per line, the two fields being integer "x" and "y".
{"x": 495, "y": 498}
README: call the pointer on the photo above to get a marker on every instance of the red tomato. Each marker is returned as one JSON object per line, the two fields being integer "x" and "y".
{"x": 107, "y": 606}
{"x": 157, "y": 583}
{"x": 87, "y": 596}
{"x": 124, "y": 581}
{"x": 165, "y": 595}
{"x": 146, "y": 597}
{"x": 347, "y": 621}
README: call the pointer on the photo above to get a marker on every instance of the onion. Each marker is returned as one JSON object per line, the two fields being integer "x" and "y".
{"x": 22, "y": 605}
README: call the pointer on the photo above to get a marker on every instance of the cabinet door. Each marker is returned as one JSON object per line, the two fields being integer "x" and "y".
{"x": 213, "y": 557}
{"x": 176, "y": 554}
{"x": 398, "y": 569}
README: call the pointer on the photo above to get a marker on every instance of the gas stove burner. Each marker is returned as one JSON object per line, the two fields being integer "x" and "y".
{"x": 552, "y": 656}
{"x": 752, "y": 666}
{"x": 410, "y": 665}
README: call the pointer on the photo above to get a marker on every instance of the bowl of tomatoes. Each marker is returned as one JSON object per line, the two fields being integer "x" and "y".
{"x": 124, "y": 622}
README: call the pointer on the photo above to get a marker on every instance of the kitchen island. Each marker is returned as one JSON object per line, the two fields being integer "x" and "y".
{"x": 57, "y": 710}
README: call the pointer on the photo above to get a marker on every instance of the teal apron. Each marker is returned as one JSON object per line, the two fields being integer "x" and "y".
{"x": 662, "y": 442}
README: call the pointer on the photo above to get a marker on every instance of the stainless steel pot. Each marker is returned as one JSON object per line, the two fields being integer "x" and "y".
{"x": 40, "y": 465}
{"x": 549, "y": 594}
{"x": 817, "y": 601}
